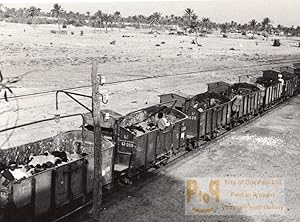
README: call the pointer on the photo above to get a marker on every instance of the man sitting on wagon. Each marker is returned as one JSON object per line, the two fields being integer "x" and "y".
{"x": 162, "y": 122}
{"x": 200, "y": 106}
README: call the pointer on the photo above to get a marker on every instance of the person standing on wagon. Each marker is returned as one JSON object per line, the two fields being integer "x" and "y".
{"x": 237, "y": 101}
{"x": 281, "y": 85}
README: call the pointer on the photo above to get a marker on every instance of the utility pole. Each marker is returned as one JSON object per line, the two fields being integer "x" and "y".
{"x": 97, "y": 193}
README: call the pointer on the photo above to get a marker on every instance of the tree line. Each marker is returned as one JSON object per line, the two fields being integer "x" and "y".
{"x": 189, "y": 21}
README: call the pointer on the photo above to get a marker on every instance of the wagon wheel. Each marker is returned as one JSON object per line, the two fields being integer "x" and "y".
{"x": 165, "y": 162}
{"x": 198, "y": 144}
{"x": 208, "y": 138}
{"x": 215, "y": 134}
{"x": 126, "y": 181}
{"x": 170, "y": 153}
{"x": 228, "y": 126}
{"x": 138, "y": 176}
{"x": 241, "y": 120}
{"x": 191, "y": 146}
{"x": 246, "y": 118}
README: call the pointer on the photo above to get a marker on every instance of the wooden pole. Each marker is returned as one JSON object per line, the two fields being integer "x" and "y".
{"x": 97, "y": 193}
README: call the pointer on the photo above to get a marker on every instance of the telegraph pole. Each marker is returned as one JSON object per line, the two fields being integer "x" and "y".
{"x": 97, "y": 193}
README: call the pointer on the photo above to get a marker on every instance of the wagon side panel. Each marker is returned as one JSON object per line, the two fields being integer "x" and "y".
{"x": 62, "y": 185}
{"x": 77, "y": 179}
{"x": 43, "y": 183}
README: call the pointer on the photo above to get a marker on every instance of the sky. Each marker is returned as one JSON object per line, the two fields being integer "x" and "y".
{"x": 286, "y": 12}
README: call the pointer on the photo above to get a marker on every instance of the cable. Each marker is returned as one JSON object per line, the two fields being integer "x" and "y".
{"x": 154, "y": 77}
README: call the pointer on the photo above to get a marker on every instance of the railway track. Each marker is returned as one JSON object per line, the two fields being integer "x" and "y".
{"x": 273, "y": 62}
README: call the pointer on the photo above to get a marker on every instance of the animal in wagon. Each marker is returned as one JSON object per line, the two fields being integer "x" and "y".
{"x": 6, "y": 177}
{"x": 3, "y": 167}
{"x": 44, "y": 160}
{"x": 60, "y": 154}
{"x": 134, "y": 128}
{"x": 19, "y": 173}
{"x": 13, "y": 172}
{"x": 151, "y": 126}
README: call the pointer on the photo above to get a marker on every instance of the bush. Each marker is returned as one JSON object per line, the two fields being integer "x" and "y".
{"x": 76, "y": 23}
{"x": 64, "y": 26}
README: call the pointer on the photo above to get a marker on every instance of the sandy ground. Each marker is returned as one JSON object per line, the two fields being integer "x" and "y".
{"x": 62, "y": 61}
{"x": 266, "y": 148}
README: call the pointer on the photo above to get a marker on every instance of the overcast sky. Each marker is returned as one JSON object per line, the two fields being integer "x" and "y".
{"x": 286, "y": 12}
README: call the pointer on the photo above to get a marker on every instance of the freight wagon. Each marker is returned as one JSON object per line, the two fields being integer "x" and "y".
{"x": 207, "y": 114}
{"x": 56, "y": 191}
{"x": 139, "y": 144}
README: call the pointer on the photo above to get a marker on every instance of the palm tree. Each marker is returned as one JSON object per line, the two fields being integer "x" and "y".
{"x": 194, "y": 26}
{"x": 188, "y": 14}
{"x": 141, "y": 19}
{"x": 266, "y": 24}
{"x": 117, "y": 16}
{"x": 20, "y": 12}
{"x": 224, "y": 27}
{"x": 206, "y": 22}
{"x": 56, "y": 12}
{"x": 155, "y": 19}
{"x": 253, "y": 23}
{"x": 111, "y": 20}
{"x": 33, "y": 12}
{"x": 233, "y": 25}
{"x": 106, "y": 18}
{"x": 172, "y": 19}
{"x": 88, "y": 15}
{"x": 97, "y": 19}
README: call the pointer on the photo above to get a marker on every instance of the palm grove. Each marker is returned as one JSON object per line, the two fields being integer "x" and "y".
{"x": 189, "y": 21}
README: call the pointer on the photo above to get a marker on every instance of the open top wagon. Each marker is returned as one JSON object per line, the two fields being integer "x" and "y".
{"x": 51, "y": 192}
{"x": 290, "y": 80}
{"x": 274, "y": 89}
{"x": 207, "y": 113}
{"x": 140, "y": 145}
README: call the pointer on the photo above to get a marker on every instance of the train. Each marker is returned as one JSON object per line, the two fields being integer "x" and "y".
{"x": 132, "y": 143}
